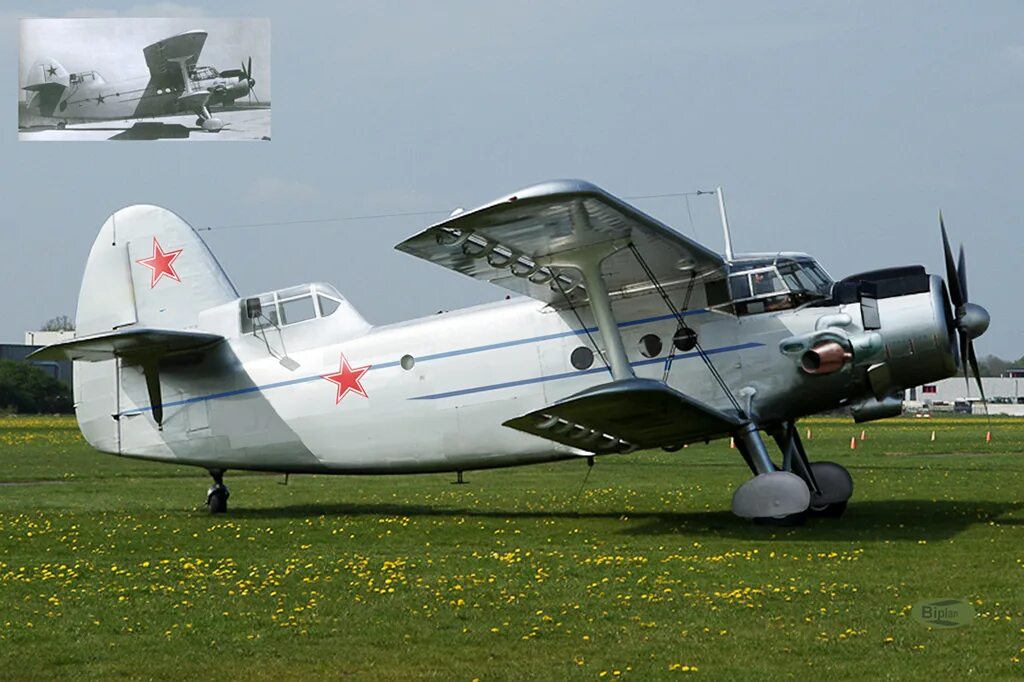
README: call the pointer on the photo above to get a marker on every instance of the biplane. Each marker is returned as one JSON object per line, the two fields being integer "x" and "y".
{"x": 176, "y": 85}
{"x": 625, "y": 335}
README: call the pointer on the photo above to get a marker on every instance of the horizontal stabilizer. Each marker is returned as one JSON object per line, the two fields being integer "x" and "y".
{"x": 627, "y": 415}
{"x": 128, "y": 343}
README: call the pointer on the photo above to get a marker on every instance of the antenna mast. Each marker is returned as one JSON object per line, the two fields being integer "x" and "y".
{"x": 725, "y": 225}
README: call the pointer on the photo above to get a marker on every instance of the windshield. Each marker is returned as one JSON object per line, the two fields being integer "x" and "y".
{"x": 760, "y": 285}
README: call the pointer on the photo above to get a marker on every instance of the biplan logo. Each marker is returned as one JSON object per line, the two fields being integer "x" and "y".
{"x": 943, "y": 613}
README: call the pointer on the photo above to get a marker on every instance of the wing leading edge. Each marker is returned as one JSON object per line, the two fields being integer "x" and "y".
{"x": 511, "y": 241}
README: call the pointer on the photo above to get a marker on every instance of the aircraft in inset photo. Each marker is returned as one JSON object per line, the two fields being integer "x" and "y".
{"x": 177, "y": 87}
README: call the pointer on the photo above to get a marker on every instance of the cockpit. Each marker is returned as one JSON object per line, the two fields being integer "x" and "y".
{"x": 289, "y": 306}
{"x": 86, "y": 77}
{"x": 202, "y": 73}
{"x": 759, "y": 284}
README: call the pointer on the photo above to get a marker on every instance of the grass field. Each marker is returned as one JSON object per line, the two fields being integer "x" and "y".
{"x": 110, "y": 568}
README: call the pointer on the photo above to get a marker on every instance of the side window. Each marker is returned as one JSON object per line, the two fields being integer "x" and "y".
{"x": 739, "y": 286}
{"x": 297, "y": 310}
{"x": 327, "y": 305}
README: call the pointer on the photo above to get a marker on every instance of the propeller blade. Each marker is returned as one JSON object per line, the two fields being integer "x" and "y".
{"x": 248, "y": 72}
{"x": 952, "y": 279}
{"x": 961, "y": 271}
{"x": 964, "y": 352}
{"x": 973, "y": 358}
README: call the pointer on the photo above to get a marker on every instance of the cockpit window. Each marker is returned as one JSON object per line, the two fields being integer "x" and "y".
{"x": 297, "y": 310}
{"x": 290, "y": 306}
{"x": 327, "y": 305}
{"x": 760, "y": 285}
{"x": 204, "y": 73}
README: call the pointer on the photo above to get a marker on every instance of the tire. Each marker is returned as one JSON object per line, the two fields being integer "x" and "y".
{"x": 217, "y": 502}
{"x": 829, "y": 511}
{"x": 789, "y": 521}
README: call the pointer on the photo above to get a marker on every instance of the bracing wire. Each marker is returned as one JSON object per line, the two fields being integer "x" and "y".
{"x": 679, "y": 318}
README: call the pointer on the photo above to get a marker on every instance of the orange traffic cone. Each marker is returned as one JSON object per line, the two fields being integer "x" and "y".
{"x": 808, "y": 433}
{"x": 933, "y": 436}
{"x": 853, "y": 442}
{"x": 988, "y": 436}
{"x": 863, "y": 435}
{"x": 732, "y": 443}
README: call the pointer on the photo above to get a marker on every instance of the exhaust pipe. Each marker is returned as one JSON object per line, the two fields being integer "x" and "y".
{"x": 825, "y": 358}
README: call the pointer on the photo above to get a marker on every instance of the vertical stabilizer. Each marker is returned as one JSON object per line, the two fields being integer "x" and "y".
{"x": 47, "y": 83}
{"x": 147, "y": 268}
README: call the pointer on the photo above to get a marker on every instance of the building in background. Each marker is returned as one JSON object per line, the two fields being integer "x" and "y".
{"x": 1005, "y": 395}
{"x": 60, "y": 370}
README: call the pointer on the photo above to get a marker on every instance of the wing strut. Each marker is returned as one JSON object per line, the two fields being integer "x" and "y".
{"x": 588, "y": 261}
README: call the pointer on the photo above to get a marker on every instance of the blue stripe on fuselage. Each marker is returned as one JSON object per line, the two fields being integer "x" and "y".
{"x": 582, "y": 372}
{"x": 463, "y": 351}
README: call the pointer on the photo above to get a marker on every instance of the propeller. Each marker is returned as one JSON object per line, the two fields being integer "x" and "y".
{"x": 252, "y": 81}
{"x": 244, "y": 73}
{"x": 971, "y": 319}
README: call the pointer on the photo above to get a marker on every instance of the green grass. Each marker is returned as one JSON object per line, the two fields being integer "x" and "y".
{"x": 110, "y": 568}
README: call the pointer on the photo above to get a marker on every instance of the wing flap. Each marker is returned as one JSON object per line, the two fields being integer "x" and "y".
{"x": 622, "y": 416}
{"x": 128, "y": 343}
{"x": 511, "y": 241}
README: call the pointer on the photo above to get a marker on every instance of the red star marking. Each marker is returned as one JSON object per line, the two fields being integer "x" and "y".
{"x": 160, "y": 263}
{"x": 348, "y": 379}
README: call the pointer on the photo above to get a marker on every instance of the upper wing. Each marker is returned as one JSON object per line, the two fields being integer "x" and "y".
{"x": 510, "y": 241}
{"x": 626, "y": 415}
{"x": 128, "y": 343}
{"x": 164, "y": 57}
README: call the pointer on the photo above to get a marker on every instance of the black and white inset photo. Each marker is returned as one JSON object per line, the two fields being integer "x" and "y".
{"x": 195, "y": 79}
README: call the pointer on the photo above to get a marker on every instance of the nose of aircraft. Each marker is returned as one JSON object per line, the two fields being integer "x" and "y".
{"x": 973, "y": 320}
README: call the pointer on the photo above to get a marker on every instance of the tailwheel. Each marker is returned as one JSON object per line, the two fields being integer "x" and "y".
{"x": 217, "y": 495}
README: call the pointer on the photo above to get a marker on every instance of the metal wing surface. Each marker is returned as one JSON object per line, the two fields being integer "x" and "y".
{"x": 164, "y": 57}
{"x": 518, "y": 241}
{"x": 128, "y": 343}
{"x": 626, "y": 415}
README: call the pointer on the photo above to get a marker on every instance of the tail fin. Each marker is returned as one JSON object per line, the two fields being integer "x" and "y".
{"x": 49, "y": 81}
{"x": 148, "y": 267}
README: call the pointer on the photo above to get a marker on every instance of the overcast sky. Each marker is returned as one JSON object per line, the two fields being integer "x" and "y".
{"x": 836, "y": 128}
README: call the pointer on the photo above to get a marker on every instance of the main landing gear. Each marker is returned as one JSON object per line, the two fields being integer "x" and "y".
{"x": 217, "y": 495}
{"x": 208, "y": 122}
{"x": 788, "y": 495}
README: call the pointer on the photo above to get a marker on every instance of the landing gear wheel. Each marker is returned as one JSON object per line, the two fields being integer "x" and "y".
{"x": 828, "y": 511}
{"x": 788, "y": 521}
{"x": 774, "y": 495}
{"x": 217, "y": 499}
{"x": 836, "y": 486}
{"x": 199, "y": 123}
{"x": 217, "y": 495}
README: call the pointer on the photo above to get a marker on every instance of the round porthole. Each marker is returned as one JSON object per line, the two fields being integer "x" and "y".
{"x": 582, "y": 358}
{"x": 650, "y": 345}
{"x": 407, "y": 362}
{"x": 685, "y": 339}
